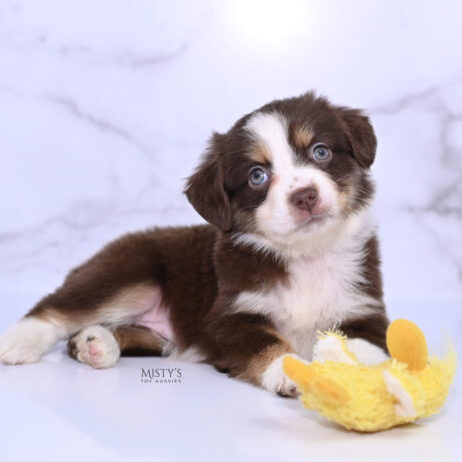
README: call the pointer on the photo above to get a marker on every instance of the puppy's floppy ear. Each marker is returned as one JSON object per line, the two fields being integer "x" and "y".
{"x": 205, "y": 189}
{"x": 360, "y": 134}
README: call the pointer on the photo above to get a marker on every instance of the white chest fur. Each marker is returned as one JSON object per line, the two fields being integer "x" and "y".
{"x": 320, "y": 292}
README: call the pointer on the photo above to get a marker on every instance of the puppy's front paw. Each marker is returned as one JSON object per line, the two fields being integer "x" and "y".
{"x": 95, "y": 346}
{"x": 274, "y": 379}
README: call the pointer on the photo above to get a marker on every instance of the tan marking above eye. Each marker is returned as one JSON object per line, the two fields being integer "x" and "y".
{"x": 260, "y": 153}
{"x": 303, "y": 136}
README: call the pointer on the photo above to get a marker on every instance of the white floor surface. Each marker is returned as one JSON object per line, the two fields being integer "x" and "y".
{"x": 60, "y": 410}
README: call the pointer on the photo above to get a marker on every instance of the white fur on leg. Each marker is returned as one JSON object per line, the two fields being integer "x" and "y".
{"x": 26, "y": 341}
{"x": 97, "y": 347}
{"x": 274, "y": 379}
{"x": 365, "y": 352}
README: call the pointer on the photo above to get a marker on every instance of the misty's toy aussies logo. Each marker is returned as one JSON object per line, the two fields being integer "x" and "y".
{"x": 161, "y": 375}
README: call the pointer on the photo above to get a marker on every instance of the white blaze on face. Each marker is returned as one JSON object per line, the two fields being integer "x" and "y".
{"x": 276, "y": 217}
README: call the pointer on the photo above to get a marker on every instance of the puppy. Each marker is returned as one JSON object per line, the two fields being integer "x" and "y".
{"x": 289, "y": 250}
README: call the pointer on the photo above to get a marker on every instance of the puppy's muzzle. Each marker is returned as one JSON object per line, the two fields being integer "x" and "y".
{"x": 304, "y": 198}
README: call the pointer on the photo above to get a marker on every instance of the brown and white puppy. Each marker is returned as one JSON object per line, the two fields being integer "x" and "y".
{"x": 290, "y": 250}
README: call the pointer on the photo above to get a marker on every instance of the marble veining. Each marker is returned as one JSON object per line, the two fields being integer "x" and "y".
{"x": 103, "y": 116}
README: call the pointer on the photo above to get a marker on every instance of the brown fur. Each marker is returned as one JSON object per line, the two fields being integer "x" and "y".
{"x": 255, "y": 367}
{"x": 260, "y": 154}
{"x": 200, "y": 271}
{"x": 301, "y": 135}
{"x": 138, "y": 341}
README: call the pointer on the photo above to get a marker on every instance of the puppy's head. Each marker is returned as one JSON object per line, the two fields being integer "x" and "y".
{"x": 288, "y": 172}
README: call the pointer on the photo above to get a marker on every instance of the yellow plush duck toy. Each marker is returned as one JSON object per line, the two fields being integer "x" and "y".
{"x": 364, "y": 398}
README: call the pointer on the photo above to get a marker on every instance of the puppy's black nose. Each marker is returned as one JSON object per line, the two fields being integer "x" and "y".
{"x": 304, "y": 198}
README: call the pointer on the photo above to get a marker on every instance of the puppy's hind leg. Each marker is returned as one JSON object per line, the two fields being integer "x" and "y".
{"x": 113, "y": 288}
{"x": 100, "y": 348}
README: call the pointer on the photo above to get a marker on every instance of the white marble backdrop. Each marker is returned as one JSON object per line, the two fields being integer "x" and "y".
{"x": 105, "y": 107}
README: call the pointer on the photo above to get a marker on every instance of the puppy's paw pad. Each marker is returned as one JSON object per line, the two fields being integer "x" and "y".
{"x": 95, "y": 346}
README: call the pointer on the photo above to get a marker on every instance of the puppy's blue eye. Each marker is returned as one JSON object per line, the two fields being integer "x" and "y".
{"x": 321, "y": 153}
{"x": 257, "y": 176}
